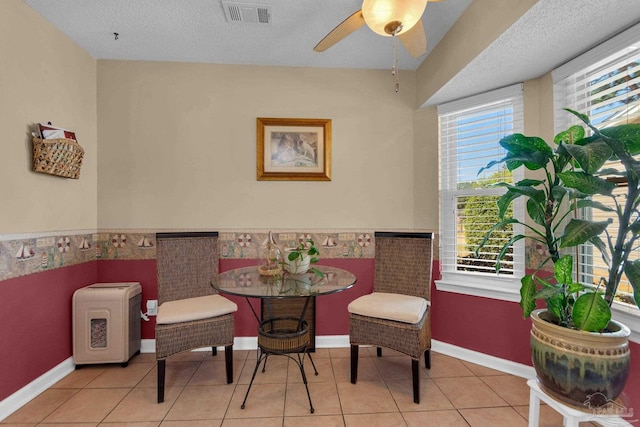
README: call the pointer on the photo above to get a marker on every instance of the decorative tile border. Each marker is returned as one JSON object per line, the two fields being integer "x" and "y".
{"x": 25, "y": 254}
{"x": 331, "y": 244}
{"x": 22, "y": 255}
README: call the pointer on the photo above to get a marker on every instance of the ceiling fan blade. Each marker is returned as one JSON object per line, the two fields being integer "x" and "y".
{"x": 345, "y": 28}
{"x": 415, "y": 40}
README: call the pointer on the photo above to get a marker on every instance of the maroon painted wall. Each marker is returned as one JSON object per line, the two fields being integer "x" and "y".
{"x": 35, "y": 317}
{"x": 631, "y": 392}
{"x": 143, "y": 271}
{"x": 35, "y": 323}
{"x": 484, "y": 325}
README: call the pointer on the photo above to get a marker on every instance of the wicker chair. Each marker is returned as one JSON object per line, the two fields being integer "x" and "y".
{"x": 396, "y": 315}
{"x": 190, "y": 315}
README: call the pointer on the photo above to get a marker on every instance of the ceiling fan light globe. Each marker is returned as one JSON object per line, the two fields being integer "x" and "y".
{"x": 379, "y": 13}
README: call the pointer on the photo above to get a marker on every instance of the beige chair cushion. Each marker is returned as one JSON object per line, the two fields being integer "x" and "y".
{"x": 382, "y": 305}
{"x": 197, "y": 308}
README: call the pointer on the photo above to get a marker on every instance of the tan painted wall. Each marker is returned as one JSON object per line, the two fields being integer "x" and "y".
{"x": 425, "y": 163}
{"x": 43, "y": 77}
{"x": 178, "y": 146}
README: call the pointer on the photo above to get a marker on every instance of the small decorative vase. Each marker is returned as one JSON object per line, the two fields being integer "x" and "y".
{"x": 270, "y": 259}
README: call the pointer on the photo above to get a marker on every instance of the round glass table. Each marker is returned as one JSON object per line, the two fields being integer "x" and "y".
{"x": 247, "y": 282}
{"x": 284, "y": 335}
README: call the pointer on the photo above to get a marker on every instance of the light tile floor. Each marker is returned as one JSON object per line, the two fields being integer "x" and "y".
{"x": 453, "y": 393}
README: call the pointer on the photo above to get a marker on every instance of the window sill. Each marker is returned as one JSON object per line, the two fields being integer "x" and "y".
{"x": 500, "y": 288}
{"x": 630, "y": 317}
{"x": 508, "y": 289}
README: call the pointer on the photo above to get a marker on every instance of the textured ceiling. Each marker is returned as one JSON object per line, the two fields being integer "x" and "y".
{"x": 197, "y": 31}
{"x": 549, "y": 34}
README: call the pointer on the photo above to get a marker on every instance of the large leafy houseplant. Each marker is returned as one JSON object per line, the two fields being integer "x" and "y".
{"x": 573, "y": 173}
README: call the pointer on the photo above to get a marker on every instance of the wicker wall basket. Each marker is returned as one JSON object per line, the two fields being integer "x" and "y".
{"x": 60, "y": 157}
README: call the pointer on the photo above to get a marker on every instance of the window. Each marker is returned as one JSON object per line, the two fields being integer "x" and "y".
{"x": 470, "y": 131}
{"x": 606, "y": 87}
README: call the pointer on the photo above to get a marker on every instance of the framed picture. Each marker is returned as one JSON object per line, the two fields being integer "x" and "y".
{"x": 293, "y": 149}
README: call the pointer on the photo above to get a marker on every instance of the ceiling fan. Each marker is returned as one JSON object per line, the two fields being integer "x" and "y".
{"x": 387, "y": 18}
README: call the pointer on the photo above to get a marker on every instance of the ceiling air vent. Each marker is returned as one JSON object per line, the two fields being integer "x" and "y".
{"x": 244, "y": 12}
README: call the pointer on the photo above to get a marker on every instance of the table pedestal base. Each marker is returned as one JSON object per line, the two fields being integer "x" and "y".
{"x": 283, "y": 336}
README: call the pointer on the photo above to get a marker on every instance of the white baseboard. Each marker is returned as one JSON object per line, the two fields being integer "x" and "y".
{"x": 21, "y": 397}
{"x": 147, "y": 346}
{"x": 503, "y": 365}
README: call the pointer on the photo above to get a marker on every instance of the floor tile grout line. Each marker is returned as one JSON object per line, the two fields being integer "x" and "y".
{"x": 339, "y": 408}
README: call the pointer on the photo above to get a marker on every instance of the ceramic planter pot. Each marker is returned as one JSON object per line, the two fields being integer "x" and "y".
{"x": 579, "y": 367}
{"x": 297, "y": 266}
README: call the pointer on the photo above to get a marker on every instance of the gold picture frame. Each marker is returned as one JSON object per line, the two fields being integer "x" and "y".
{"x": 293, "y": 149}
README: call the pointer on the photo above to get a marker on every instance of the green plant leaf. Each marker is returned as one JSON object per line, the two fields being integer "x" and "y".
{"x": 602, "y": 247}
{"x": 632, "y": 270}
{"x": 527, "y": 292}
{"x": 569, "y": 136}
{"x": 575, "y": 287}
{"x": 581, "y": 116}
{"x": 556, "y": 305}
{"x": 629, "y": 134}
{"x": 635, "y": 227}
{"x": 563, "y": 269}
{"x": 579, "y": 231}
{"x": 588, "y": 203}
{"x": 591, "y": 312}
{"x": 590, "y": 157}
{"x": 532, "y": 152}
{"x": 519, "y": 143}
{"x": 293, "y": 256}
{"x": 529, "y": 182}
{"x": 534, "y": 161}
{"x": 533, "y": 193}
{"x": 549, "y": 292}
{"x": 504, "y": 202}
{"x": 536, "y": 211}
{"x": 558, "y": 192}
{"x": 506, "y": 247}
{"x": 495, "y": 227}
{"x": 490, "y": 165}
{"x": 586, "y": 183}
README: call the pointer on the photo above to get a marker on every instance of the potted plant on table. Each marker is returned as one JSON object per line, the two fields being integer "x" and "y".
{"x": 297, "y": 260}
{"x": 587, "y": 352}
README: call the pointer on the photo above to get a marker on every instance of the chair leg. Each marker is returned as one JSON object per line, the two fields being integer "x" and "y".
{"x": 228, "y": 359}
{"x": 415, "y": 368}
{"x": 379, "y": 351}
{"x": 214, "y": 351}
{"x": 354, "y": 364}
{"x": 161, "y": 370}
{"x": 427, "y": 359}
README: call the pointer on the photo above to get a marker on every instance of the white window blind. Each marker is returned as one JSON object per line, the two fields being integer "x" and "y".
{"x": 604, "y": 83}
{"x": 470, "y": 131}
